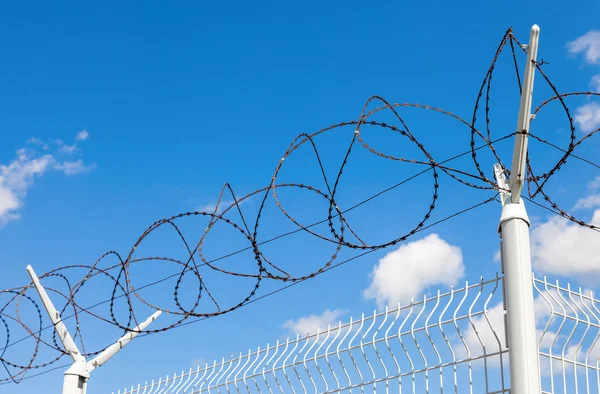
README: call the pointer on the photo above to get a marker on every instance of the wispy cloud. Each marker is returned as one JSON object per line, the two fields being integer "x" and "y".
{"x": 223, "y": 204}
{"x": 198, "y": 362}
{"x": 17, "y": 177}
{"x": 595, "y": 183}
{"x": 81, "y": 136}
{"x": 38, "y": 142}
{"x": 588, "y": 45}
{"x": 587, "y": 116}
{"x": 588, "y": 202}
{"x": 595, "y": 83}
{"x": 74, "y": 167}
{"x": 592, "y": 200}
{"x": 310, "y": 324}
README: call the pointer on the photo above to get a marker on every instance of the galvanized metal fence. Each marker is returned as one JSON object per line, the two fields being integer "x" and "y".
{"x": 568, "y": 323}
{"x": 453, "y": 342}
{"x": 445, "y": 343}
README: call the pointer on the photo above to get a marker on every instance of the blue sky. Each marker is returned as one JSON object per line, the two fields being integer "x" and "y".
{"x": 147, "y": 111}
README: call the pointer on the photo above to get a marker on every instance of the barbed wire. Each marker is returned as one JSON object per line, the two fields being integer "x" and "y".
{"x": 19, "y": 307}
{"x": 280, "y": 236}
{"x": 274, "y": 292}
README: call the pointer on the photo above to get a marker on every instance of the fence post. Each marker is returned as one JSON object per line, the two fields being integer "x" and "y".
{"x": 515, "y": 249}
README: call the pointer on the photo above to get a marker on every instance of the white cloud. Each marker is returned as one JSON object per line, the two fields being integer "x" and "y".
{"x": 66, "y": 148}
{"x": 588, "y": 202}
{"x": 589, "y": 45}
{"x": 591, "y": 201}
{"x": 407, "y": 271}
{"x": 561, "y": 247}
{"x": 595, "y": 83}
{"x": 595, "y": 183}
{"x": 73, "y": 167}
{"x": 82, "y": 135}
{"x": 588, "y": 117}
{"x": 497, "y": 256}
{"x": 38, "y": 142}
{"x": 312, "y": 323}
{"x": 18, "y": 176}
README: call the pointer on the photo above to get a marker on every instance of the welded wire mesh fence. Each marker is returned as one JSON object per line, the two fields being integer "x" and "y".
{"x": 453, "y": 342}
{"x": 444, "y": 343}
{"x": 568, "y": 332}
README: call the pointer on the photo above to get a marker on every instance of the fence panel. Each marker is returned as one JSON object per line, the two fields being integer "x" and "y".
{"x": 448, "y": 343}
{"x": 568, "y": 331}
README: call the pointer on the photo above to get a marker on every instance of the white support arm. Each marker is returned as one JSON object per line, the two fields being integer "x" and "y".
{"x": 115, "y": 347}
{"x": 59, "y": 326}
{"x": 517, "y": 172}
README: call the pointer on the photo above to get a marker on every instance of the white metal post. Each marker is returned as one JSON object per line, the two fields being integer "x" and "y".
{"x": 515, "y": 249}
{"x": 76, "y": 377}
